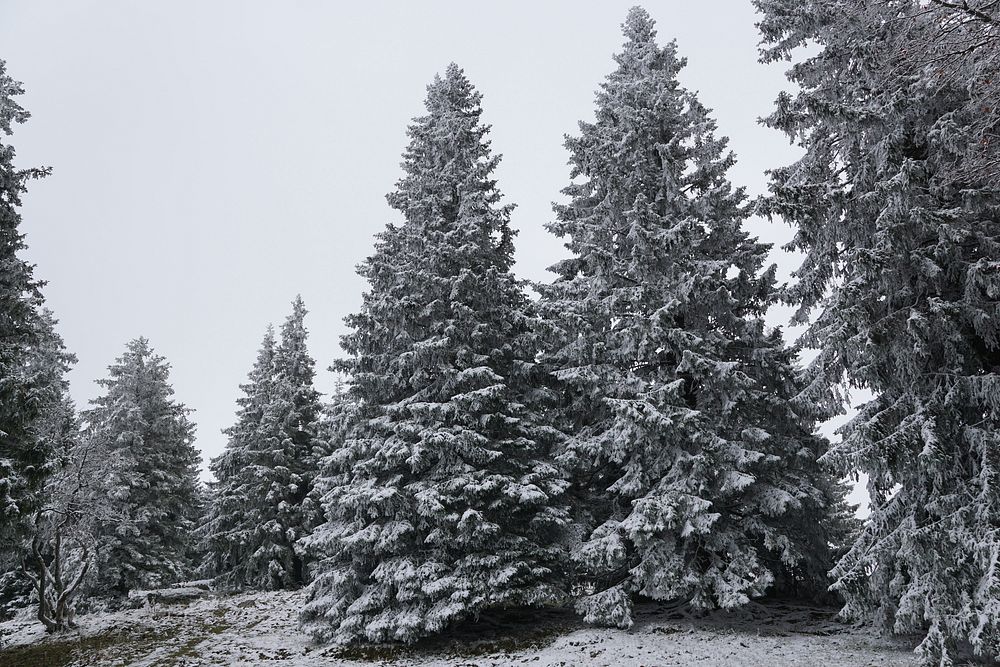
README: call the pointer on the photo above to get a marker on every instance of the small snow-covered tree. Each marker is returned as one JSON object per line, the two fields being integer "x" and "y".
{"x": 695, "y": 469}
{"x": 76, "y": 500}
{"x": 263, "y": 498}
{"x": 55, "y": 429}
{"x": 138, "y": 422}
{"x": 80, "y": 504}
{"x": 24, "y": 458}
{"x": 441, "y": 501}
{"x": 897, "y": 211}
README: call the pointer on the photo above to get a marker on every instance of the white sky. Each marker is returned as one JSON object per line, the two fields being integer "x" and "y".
{"x": 213, "y": 159}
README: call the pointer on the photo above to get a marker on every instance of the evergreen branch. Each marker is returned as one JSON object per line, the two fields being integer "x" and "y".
{"x": 972, "y": 11}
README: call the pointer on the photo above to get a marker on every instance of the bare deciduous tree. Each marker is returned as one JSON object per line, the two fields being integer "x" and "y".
{"x": 65, "y": 537}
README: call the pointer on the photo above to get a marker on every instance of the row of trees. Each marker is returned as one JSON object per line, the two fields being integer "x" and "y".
{"x": 105, "y": 501}
{"x": 121, "y": 498}
{"x": 637, "y": 430}
{"x": 120, "y": 507}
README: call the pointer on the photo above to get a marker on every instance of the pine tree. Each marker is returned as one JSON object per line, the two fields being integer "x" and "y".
{"x": 294, "y": 418}
{"x": 441, "y": 502}
{"x": 55, "y": 429}
{"x": 234, "y": 518}
{"x": 695, "y": 474}
{"x": 264, "y": 501}
{"x": 137, "y": 422}
{"x": 897, "y": 213}
{"x": 24, "y": 459}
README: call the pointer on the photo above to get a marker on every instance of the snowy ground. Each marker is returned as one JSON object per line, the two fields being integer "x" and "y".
{"x": 260, "y": 629}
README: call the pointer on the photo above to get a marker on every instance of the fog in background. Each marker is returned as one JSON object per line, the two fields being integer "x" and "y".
{"x": 214, "y": 159}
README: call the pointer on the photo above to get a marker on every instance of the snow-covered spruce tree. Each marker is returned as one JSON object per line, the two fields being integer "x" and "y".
{"x": 138, "y": 423}
{"x": 899, "y": 221}
{"x": 695, "y": 474}
{"x": 233, "y": 519}
{"x": 263, "y": 495}
{"x": 23, "y": 457}
{"x": 441, "y": 502}
{"x": 294, "y": 416}
{"x": 55, "y": 429}
{"x": 57, "y": 426}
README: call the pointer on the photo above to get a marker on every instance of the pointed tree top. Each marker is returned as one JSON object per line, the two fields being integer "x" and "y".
{"x": 641, "y": 54}
{"x": 453, "y": 72}
{"x": 298, "y": 311}
{"x": 139, "y": 345}
{"x": 452, "y": 92}
{"x": 293, "y": 331}
{"x": 267, "y": 346}
{"x": 639, "y": 26}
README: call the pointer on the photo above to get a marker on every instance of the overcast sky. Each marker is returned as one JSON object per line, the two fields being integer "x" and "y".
{"x": 213, "y": 159}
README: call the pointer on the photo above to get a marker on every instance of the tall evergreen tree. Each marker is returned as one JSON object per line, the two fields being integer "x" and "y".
{"x": 441, "y": 502}
{"x": 24, "y": 458}
{"x": 897, "y": 212}
{"x": 138, "y": 422}
{"x": 233, "y": 517}
{"x": 294, "y": 417}
{"x": 55, "y": 430}
{"x": 695, "y": 474}
{"x": 264, "y": 501}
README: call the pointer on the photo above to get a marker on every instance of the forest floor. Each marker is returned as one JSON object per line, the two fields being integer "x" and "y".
{"x": 260, "y": 629}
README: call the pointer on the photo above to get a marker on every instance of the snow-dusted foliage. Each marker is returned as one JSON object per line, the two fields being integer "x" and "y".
{"x": 695, "y": 474}
{"x": 232, "y": 522}
{"x": 24, "y": 458}
{"x": 955, "y": 46}
{"x": 263, "y": 500}
{"x": 79, "y": 501}
{"x": 138, "y": 424}
{"x": 897, "y": 210}
{"x": 56, "y": 427}
{"x": 441, "y": 501}
{"x": 80, "y": 505}
{"x": 53, "y": 569}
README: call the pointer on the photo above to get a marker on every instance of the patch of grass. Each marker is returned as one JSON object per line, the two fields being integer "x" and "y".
{"x": 217, "y": 628}
{"x": 91, "y": 650}
{"x": 515, "y": 641}
{"x": 185, "y": 650}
